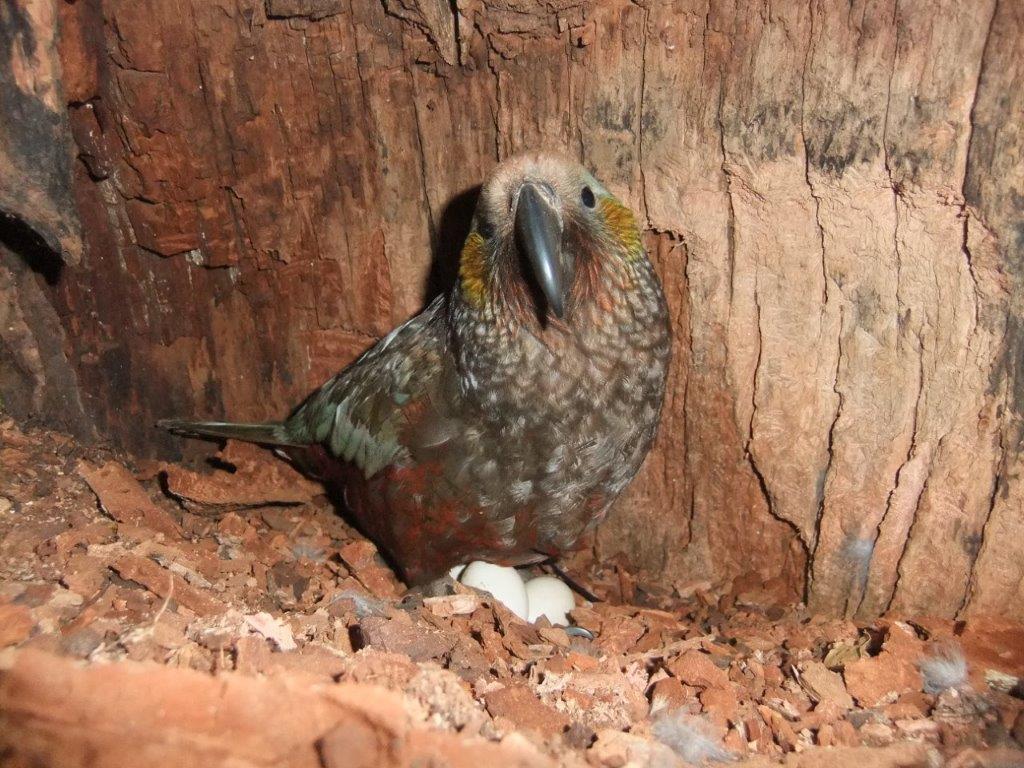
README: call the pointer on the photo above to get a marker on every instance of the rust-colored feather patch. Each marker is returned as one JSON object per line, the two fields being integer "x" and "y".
{"x": 473, "y": 270}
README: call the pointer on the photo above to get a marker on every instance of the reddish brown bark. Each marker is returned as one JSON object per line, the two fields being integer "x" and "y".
{"x": 833, "y": 197}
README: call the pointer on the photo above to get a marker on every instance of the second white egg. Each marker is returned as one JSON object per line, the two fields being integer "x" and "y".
{"x": 551, "y": 597}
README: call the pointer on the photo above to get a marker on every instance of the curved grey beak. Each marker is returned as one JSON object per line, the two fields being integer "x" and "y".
{"x": 538, "y": 231}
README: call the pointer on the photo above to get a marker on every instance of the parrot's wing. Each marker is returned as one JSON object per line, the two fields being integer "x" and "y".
{"x": 362, "y": 414}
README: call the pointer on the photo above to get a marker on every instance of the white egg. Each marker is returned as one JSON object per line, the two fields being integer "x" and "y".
{"x": 456, "y": 570}
{"x": 504, "y": 583}
{"x": 551, "y": 597}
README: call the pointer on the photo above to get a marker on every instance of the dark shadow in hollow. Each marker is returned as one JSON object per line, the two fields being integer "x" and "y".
{"x": 451, "y": 232}
{"x": 23, "y": 241}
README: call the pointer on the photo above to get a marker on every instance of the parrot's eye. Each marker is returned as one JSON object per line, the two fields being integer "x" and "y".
{"x": 587, "y": 196}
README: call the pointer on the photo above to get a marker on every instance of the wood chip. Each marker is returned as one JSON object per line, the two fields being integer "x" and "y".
{"x": 520, "y": 705}
{"x": 121, "y": 497}
{"x": 252, "y": 484}
{"x": 15, "y": 624}
{"x": 824, "y": 685}
{"x": 696, "y": 668}
{"x": 273, "y": 629}
{"x": 163, "y": 583}
{"x": 447, "y": 606}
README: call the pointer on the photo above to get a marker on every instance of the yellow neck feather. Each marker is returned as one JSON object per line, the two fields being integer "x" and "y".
{"x": 622, "y": 224}
{"x": 473, "y": 270}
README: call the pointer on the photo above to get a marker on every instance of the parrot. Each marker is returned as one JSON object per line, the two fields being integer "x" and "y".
{"x": 501, "y": 422}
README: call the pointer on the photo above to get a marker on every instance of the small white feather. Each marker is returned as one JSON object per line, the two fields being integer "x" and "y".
{"x": 945, "y": 668}
{"x": 689, "y": 737}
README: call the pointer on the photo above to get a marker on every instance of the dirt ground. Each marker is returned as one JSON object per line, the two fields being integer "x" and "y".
{"x": 153, "y": 614}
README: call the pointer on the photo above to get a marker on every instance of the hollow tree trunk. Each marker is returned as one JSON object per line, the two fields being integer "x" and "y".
{"x": 832, "y": 192}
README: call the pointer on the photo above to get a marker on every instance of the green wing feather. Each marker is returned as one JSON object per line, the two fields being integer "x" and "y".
{"x": 360, "y": 414}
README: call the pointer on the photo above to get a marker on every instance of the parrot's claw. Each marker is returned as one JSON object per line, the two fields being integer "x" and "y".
{"x": 574, "y": 630}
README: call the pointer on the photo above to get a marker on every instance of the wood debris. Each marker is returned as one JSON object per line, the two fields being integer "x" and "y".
{"x": 129, "y": 612}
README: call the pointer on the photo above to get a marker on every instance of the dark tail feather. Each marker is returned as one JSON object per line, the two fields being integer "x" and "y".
{"x": 269, "y": 433}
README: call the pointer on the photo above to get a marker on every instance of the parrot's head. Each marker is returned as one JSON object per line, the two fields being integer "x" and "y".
{"x": 544, "y": 233}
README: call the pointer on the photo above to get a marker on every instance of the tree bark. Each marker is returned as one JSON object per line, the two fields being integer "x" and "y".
{"x": 832, "y": 193}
